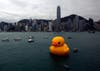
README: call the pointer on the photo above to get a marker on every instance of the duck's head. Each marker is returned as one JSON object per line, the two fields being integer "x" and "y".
{"x": 58, "y": 41}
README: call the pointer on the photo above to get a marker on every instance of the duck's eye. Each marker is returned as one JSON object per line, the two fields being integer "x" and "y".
{"x": 58, "y": 42}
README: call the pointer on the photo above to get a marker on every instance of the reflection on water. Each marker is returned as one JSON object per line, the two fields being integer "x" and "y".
{"x": 60, "y": 63}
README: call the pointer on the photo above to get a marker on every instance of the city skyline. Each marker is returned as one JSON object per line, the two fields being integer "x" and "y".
{"x": 14, "y": 10}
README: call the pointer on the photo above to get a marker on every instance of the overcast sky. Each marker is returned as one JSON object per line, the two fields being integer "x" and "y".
{"x": 13, "y": 10}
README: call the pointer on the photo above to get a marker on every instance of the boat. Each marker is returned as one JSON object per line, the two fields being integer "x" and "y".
{"x": 5, "y": 39}
{"x": 17, "y": 39}
{"x": 30, "y": 39}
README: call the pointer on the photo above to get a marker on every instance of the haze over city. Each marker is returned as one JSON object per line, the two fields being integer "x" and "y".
{"x": 14, "y": 10}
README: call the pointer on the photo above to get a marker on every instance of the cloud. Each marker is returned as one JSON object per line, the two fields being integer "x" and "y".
{"x": 47, "y": 8}
{"x": 18, "y": 3}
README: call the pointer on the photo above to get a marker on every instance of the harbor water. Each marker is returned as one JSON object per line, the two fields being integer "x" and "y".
{"x": 35, "y": 56}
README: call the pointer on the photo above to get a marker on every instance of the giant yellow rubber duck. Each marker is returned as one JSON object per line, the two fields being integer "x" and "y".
{"x": 59, "y": 47}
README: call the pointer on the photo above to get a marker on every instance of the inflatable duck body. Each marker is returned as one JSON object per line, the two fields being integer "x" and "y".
{"x": 59, "y": 47}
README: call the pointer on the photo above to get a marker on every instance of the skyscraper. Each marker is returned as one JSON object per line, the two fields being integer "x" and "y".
{"x": 34, "y": 25}
{"x": 50, "y": 26}
{"x": 58, "y": 19}
{"x": 26, "y": 28}
{"x": 5, "y": 28}
{"x": 76, "y": 23}
{"x": 81, "y": 23}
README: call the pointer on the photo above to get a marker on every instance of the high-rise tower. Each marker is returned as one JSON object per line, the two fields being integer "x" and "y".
{"x": 58, "y": 19}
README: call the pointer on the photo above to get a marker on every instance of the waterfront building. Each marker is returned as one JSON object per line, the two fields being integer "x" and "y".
{"x": 58, "y": 24}
{"x": 50, "y": 26}
{"x": 0, "y": 30}
{"x": 62, "y": 26}
{"x": 81, "y": 25}
{"x": 5, "y": 28}
{"x": 26, "y": 28}
{"x": 97, "y": 26}
{"x": 70, "y": 25}
{"x": 45, "y": 27}
{"x": 34, "y": 25}
{"x": 76, "y": 23}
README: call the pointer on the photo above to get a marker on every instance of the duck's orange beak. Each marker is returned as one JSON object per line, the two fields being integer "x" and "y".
{"x": 54, "y": 44}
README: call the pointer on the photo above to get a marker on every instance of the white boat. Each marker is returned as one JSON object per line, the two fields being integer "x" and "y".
{"x": 30, "y": 40}
{"x": 17, "y": 39}
{"x": 5, "y": 39}
{"x": 31, "y": 37}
